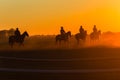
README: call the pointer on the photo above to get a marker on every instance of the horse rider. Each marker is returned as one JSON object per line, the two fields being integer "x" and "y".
{"x": 95, "y": 29}
{"x": 17, "y": 33}
{"x": 62, "y": 31}
{"x": 81, "y": 30}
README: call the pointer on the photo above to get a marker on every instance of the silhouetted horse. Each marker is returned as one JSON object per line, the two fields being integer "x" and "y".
{"x": 95, "y": 36}
{"x": 64, "y": 37}
{"x": 80, "y": 36}
{"x": 20, "y": 39}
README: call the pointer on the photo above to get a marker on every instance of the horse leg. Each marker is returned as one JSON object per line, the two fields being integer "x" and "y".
{"x": 21, "y": 44}
{"x": 65, "y": 43}
{"x": 78, "y": 41}
{"x": 59, "y": 42}
{"x": 56, "y": 41}
{"x": 11, "y": 44}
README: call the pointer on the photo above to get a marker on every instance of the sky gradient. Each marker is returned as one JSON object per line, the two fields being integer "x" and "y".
{"x": 46, "y": 16}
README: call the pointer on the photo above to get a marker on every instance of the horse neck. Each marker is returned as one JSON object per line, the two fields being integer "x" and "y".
{"x": 23, "y": 35}
{"x": 68, "y": 34}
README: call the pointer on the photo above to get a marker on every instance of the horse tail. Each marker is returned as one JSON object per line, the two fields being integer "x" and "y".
{"x": 56, "y": 39}
{"x": 9, "y": 40}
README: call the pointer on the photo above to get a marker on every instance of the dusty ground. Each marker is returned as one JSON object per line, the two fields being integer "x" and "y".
{"x": 42, "y": 59}
{"x": 60, "y": 64}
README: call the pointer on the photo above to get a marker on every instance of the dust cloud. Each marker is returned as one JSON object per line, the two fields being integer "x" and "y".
{"x": 108, "y": 39}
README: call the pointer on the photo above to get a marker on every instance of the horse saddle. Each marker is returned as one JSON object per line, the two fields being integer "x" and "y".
{"x": 17, "y": 38}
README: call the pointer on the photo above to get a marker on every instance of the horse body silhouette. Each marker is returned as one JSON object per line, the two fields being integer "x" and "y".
{"x": 64, "y": 37}
{"x": 80, "y": 36}
{"x": 95, "y": 36}
{"x": 20, "y": 39}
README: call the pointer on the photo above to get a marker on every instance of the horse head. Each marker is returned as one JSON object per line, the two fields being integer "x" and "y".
{"x": 69, "y": 33}
{"x": 26, "y": 34}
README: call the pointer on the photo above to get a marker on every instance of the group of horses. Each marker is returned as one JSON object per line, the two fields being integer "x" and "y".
{"x": 79, "y": 37}
{"x": 59, "y": 38}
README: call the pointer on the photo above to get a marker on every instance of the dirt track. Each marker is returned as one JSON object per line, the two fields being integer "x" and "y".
{"x": 76, "y": 64}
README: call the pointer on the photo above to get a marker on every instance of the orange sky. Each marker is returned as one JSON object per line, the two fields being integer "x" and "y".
{"x": 46, "y": 16}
